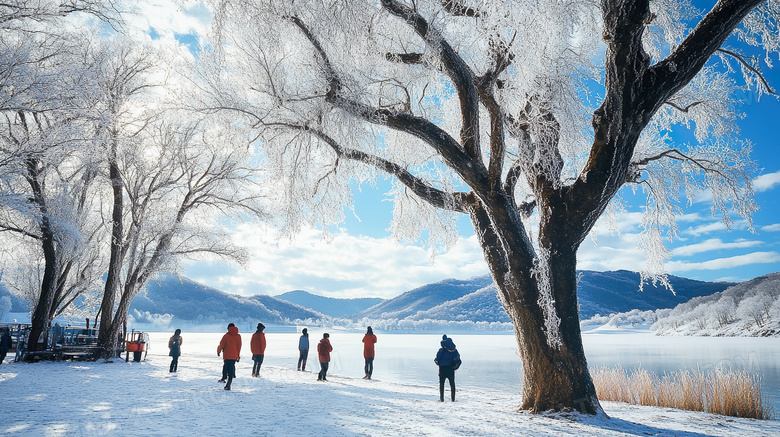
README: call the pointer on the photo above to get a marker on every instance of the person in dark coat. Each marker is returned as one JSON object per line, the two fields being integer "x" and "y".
{"x": 303, "y": 348}
{"x": 447, "y": 359}
{"x": 5, "y": 345}
{"x": 369, "y": 340}
{"x": 174, "y": 345}
{"x": 323, "y": 350}
{"x": 258, "y": 349}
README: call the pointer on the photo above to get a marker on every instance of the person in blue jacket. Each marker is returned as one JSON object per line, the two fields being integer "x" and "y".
{"x": 303, "y": 348}
{"x": 448, "y": 360}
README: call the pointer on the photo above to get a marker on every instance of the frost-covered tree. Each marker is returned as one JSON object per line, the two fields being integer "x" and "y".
{"x": 19, "y": 14}
{"x": 127, "y": 72}
{"x": 755, "y": 308}
{"x": 187, "y": 177}
{"x": 45, "y": 176}
{"x": 171, "y": 173}
{"x": 527, "y": 116}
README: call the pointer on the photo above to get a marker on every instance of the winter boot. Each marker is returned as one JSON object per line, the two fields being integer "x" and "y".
{"x": 229, "y": 381}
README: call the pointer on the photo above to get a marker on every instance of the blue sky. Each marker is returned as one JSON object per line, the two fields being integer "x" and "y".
{"x": 362, "y": 259}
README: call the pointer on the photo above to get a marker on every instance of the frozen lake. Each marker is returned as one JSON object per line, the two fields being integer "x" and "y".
{"x": 490, "y": 362}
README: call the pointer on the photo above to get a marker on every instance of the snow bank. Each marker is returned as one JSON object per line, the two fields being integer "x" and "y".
{"x": 751, "y": 308}
{"x": 90, "y": 399}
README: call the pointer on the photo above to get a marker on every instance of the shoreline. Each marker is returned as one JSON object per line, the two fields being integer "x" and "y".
{"x": 144, "y": 398}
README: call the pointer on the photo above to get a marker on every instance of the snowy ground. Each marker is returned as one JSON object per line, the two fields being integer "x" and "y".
{"x": 90, "y": 399}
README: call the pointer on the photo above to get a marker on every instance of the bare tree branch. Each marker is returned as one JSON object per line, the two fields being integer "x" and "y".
{"x": 683, "y": 109}
{"x": 685, "y": 62}
{"x": 7, "y": 228}
{"x": 405, "y": 58}
{"x": 431, "y": 134}
{"x": 752, "y": 69}
{"x": 422, "y": 189}
{"x": 461, "y": 75}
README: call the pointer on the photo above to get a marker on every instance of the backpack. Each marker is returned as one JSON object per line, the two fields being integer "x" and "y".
{"x": 456, "y": 362}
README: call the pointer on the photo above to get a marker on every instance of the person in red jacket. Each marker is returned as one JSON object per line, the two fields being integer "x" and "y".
{"x": 369, "y": 340}
{"x": 258, "y": 349}
{"x": 231, "y": 346}
{"x": 323, "y": 349}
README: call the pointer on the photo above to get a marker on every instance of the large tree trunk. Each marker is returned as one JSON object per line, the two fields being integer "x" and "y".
{"x": 555, "y": 370}
{"x": 41, "y": 318}
{"x": 107, "y": 336}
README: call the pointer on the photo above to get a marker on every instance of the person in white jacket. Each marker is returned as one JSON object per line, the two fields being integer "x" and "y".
{"x": 303, "y": 347}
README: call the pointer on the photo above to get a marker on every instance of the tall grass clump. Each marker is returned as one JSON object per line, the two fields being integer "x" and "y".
{"x": 721, "y": 391}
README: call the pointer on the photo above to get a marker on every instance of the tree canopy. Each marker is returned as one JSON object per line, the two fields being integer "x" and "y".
{"x": 528, "y": 116}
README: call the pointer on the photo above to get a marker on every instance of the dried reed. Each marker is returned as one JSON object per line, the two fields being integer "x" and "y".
{"x": 722, "y": 391}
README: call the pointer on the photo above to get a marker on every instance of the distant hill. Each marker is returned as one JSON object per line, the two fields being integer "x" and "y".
{"x": 599, "y": 293}
{"x": 472, "y": 300}
{"x": 425, "y": 297}
{"x": 327, "y": 305}
{"x": 618, "y": 291}
{"x": 188, "y": 300}
{"x": 481, "y": 305}
{"x": 750, "y": 308}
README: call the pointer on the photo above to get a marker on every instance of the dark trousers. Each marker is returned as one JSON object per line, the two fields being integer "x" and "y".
{"x": 174, "y": 363}
{"x": 258, "y": 359}
{"x": 302, "y": 359}
{"x": 369, "y": 366}
{"x": 446, "y": 372}
{"x": 323, "y": 371}
{"x": 2, "y": 356}
{"x": 228, "y": 369}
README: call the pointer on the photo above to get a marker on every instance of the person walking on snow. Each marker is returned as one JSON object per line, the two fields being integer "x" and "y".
{"x": 174, "y": 344}
{"x": 258, "y": 349}
{"x": 231, "y": 346}
{"x": 323, "y": 350}
{"x": 448, "y": 360}
{"x": 369, "y": 340}
{"x": 303, "y": 348}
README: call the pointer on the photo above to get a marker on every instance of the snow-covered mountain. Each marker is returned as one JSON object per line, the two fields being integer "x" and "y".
{"x": 424, "y": 298}
{"x": 618, "y": 291}
{"x": 481, "y": 305}
{"x": 599, "y": 293}
{"x": 189, "y": 300}
{"x": 450, "y": 300}
{"x": 327, "y": 305}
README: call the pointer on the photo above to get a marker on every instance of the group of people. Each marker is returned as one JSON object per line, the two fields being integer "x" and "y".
{"x": 447, "y": 358}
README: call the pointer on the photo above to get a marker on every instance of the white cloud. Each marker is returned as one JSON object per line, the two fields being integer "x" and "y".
{"x": 611, "y": 252}
{"x": 767, "y": 181}
{"x": 348, "y": 266}
{"x": 706, "y": 229}
{"x": 771, "y": 228}
{"x": 724, "y": 263}
{"x": 717, "y": 227}
{"x": 169, "y": 18}
{"x": 712, "y": 244}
